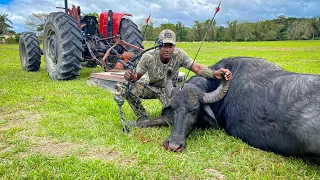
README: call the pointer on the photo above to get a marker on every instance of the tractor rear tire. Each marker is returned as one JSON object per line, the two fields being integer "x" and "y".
{"x": 30, "y": 53}
{"x": 62, "y": 46}
{"x": 130, "y": 33}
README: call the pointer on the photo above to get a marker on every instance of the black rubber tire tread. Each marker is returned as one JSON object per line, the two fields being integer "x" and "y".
{"x": 69, "y": 46}
{"x": 130, "y": 33}
{"x": 30, "y": 52}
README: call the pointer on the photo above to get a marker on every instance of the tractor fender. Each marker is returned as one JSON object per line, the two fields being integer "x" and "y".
{"x": 116, "y": 18}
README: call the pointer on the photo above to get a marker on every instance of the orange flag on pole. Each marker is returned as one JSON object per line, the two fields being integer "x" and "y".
{"x": 147, "y": 20}
{"x": 218, "y": 8}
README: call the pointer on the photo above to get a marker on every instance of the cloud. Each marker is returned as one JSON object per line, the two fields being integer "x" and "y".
{"x": 185, "y": 11}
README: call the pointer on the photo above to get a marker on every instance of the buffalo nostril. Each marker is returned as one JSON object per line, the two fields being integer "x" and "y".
{"x": 179, "y": 149}
{"x": 174, "y": 147}
{"x": 166, "y": 145}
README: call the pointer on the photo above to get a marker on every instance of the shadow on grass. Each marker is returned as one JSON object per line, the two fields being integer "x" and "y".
{"x": 311, "y": 160}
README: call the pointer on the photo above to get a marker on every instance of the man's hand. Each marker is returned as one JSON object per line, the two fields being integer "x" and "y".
{"x": 227, "y": 74}
{"x": 129, "y": 76}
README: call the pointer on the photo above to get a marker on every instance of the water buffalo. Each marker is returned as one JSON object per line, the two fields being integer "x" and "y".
{"x": 265, "y": 106}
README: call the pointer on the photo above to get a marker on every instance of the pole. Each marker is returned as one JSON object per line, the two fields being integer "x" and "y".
{"x": 66, "y": 6}
{"x": 204, "y": 37}
{"x": 145, "y": 30}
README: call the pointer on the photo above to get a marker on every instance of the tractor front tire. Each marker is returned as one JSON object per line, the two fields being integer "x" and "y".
{"x": 130, "y": 33}
{"x": 62, "y": 46}
{"x": 30, "y": 53}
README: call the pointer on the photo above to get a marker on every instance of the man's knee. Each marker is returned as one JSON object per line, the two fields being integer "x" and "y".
{"x": 136, "y": 88}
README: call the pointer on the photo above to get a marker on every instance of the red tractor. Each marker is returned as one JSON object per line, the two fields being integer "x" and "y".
{"x": 71, "y": 41}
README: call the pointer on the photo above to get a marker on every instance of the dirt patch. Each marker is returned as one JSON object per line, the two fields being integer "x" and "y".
{"x": 60, "y": 149}
{"x": 57, "y": 149}
{"x": 107, "y": 154}
{"x": 17, "y": 119}
{"x": 128, "y": 161}
{"x": 8, "y": 149}
{"x": 103, "y": 153}
{"x": 48, "y": 147}
{"x": 28, "y": 121}
{"x": 216, "y": 174}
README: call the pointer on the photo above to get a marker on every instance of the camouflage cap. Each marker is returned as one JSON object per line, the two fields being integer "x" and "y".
{"x": 167, "y": 36}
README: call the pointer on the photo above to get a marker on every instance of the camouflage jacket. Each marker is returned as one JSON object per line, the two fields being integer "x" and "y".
{"x": 155, "y": 71}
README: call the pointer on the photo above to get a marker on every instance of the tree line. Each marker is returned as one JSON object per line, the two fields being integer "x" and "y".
{"x": 278, "y": 29}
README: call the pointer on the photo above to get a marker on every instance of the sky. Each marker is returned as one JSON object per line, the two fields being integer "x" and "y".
{"x": 185, "y": 11}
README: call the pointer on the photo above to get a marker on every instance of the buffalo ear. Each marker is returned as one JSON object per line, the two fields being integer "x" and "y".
{"x": 167, "y": 114}
{"x": 209, "y": 116}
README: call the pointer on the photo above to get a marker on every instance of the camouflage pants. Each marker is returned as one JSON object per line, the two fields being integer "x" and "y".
{"x": 144, "y": 91}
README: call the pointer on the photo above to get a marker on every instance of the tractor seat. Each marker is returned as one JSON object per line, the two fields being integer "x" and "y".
{"x": 90, "y": 27}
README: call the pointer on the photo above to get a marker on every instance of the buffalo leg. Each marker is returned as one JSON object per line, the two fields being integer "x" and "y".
{"x": 150, "y": 123}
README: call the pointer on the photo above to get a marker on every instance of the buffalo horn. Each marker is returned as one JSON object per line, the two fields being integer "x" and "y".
{"x": 169, "y": 86}
{"x": 217, "y": 94}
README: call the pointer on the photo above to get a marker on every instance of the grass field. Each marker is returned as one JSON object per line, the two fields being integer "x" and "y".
{"x": 69, "y": 130}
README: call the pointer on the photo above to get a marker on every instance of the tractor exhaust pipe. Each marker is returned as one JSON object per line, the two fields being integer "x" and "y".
{"x": 66, "y": 6}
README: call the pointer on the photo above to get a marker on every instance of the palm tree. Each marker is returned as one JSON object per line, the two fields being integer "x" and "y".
{"x": 4, "y": 23}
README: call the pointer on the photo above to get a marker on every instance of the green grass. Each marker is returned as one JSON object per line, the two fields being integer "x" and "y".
{"x": 64, "y": 130}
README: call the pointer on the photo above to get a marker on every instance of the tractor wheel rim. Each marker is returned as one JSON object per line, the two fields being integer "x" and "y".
{"x": 23, "y": 54}
{"x": 52, "y": 48}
